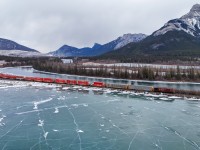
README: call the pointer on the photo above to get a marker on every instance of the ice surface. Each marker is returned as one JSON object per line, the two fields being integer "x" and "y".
{"x": 115, "y": 120}
{"x": 175, "y": 97}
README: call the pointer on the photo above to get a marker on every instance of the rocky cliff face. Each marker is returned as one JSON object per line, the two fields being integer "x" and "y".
{"x": 189, "y": 23}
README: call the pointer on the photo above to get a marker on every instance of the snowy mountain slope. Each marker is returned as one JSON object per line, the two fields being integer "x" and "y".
{"x": 6, "y": 44}
{"x": 189, "y": 23}
{"x": 64, "y": 50}
{"x": 98, "y": 49}
{"x": 129, "y": 38}
{"x": 11, "y": 48}
{"x": 21, "y": 53}
{"x": 178, "y": 38}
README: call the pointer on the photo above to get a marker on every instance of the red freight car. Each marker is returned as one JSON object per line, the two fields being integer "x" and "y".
{"x": 48, "y": 80}
{"x": 83, "y": 83}
{"x": 98, "y": 84}
{"x": 164, "y": 90}
{"x": 29, "y": 78}
{"x": 37, "y": 79}
{"x": 19, "y": 78}
{"x": 1, "y": 75}
{"x": 12, "y": 77}
{"x": 5, "y": 76}
{"x": 72, "y": 82}
{"x": 60, "y": 81}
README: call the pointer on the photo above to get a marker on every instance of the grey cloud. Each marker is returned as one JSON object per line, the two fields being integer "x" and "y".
{"x": 46, "y": 25}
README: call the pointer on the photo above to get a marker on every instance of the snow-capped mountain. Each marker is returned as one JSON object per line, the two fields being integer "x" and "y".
{"x": 129, "y": 38}
{"x": 11, "y": 48}
{"x": 98, "y": 49}
{"x": 6, "y": 44}
{"x": 178, "y": 38}
{"x": 189, "y": 23}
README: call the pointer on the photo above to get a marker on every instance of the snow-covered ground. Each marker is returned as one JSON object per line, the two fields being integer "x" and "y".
{"x": 138, "y": 65}
{"x": 20, "y": 53}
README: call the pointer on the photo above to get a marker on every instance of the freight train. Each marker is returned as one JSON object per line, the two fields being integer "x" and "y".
{"x": 87, "y": 83}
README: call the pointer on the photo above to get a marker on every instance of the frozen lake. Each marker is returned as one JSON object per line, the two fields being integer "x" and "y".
{"x": 41, "y": 116}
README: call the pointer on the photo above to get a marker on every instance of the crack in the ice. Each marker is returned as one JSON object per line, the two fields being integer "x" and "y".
{"x": 13, "y": 128}
{"x": 182, "y": 137}
{"x": 130, "y": 144}
{"x": 110, "y": 121}
{"x": 77, "y": 128}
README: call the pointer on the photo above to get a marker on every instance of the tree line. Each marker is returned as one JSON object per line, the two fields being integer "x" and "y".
{"x": 51, "y": 64}
{"x": 142, "y": 73}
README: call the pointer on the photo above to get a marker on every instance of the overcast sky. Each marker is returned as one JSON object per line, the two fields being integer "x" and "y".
{"x": 47, "y": 25}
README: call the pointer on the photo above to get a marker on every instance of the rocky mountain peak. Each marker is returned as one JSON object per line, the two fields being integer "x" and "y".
{"x": 6, "y": 44}
{"x": 96, "y": 46}
{"x": 189, "y": 23}
{"x": 194, "y": 12}
{"x": 132, "y": 36}
{"x": 196, "y": 7}
{"x": 129, "y": 38}
{"x": 128, "y": 35}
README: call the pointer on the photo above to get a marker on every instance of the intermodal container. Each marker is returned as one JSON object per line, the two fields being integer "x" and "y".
{"x": 19, "y": 78}
{"x": 37, "y": 79}
{"x": 142, "y": 88}
{"x": 83, "y": 83}
{"x": 29, "y": 78}
{"x": 72, "y": 82}
{"x": 98, "y": 84}
{"x": 6, "y": 76}
{"x": 164, "y": 90}
{"x": 60, "y": 81}
{"x": 118, "y": 86}
{"x": 12, "y": 77}
{"x": 48, "y": 80}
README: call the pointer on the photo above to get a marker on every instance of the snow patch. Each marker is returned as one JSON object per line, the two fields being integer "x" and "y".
{"x": 41, "y": 123}
{"x": 20, "y": 53}
{"x": 56, "y": 110}
{"x": 45, "y": 134}
{"x": 41, "y": 102}
{"x": 129, "y": 38}
{"x": 80, "y": 131}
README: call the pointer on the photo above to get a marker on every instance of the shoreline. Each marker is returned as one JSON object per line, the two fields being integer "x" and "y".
{"x": 117, "y": 79}
{"x": 177, "y": 96}
{"x": 177, "y": 91}
{"x": 147, "y": 81}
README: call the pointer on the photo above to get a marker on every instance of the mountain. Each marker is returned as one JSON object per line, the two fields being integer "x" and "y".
{"x": 99, "y": 49}
{"x": 11, "y": 48}
{"x": 178, "y": 38}
{"x": 11, "y": 45}
{"x": 129, "y": 38}
{"x": 189, "y": 23}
